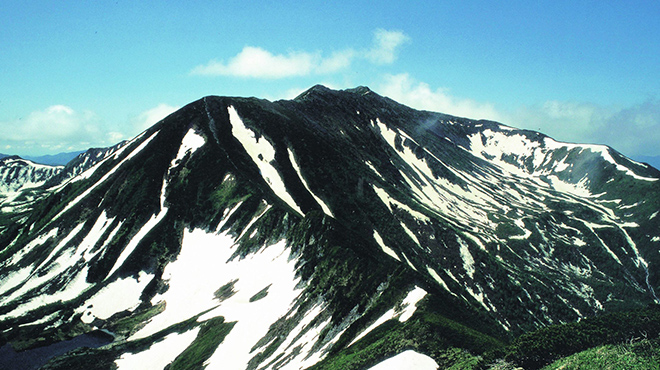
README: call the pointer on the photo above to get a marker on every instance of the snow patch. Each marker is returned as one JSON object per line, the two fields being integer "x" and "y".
{"x": 390, "y": 252}
{"x": 407, "y": 360}
{"x": 189, "y": 144}
{"x": 468, "y": 260}
{"x": 320, "y": 201}
{"x": 437, "y": 278}
{"x": 403, "y": 313}
{"x": 153, "y": 221}
{"x": 160, "y": 354}
{"x": 120, "y": 295}
{"x": 263, "y": 155}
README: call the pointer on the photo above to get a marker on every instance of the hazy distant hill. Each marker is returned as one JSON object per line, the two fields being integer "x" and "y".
{"x": 55, "y": 159}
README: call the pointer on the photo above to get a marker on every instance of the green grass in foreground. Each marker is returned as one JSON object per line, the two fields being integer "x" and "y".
{"x": 644, "y": 354}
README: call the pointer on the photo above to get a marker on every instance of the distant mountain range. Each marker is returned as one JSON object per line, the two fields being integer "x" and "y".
{"x": 52, "y": 160}
{"x": 337, "y": 230}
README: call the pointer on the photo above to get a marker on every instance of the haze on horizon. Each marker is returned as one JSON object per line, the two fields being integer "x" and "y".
{"x": 79, "y": 74}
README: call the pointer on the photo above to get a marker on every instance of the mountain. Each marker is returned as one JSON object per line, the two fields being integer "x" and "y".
{"x": 59, "y": 159}
{"x": 18, "y": 175}
{"x": 337, "y": 230}
{"x": 23, "y": 182}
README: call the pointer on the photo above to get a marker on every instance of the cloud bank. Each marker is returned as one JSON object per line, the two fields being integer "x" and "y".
{"x": 420, "y": 95}
{"x": 60, "y": 128}
{"x": 256, "y": 62}
{"x": 633, "y": 130}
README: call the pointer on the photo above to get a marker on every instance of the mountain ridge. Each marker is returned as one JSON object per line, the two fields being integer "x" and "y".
{"x": 369, "y": 211}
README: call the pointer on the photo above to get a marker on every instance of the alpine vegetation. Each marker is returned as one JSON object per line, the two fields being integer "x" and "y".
{"x": 337, "y": 230}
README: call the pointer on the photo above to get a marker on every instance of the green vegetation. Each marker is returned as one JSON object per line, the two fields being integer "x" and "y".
{"x": 640, "y": 355}
{"x": 210, "y": 335}
{"x": 539, "y": 348}
{"x": 260, "y": 295}
{"x": 226, "y": 291}
{"x": 129, "y": 325}
{"x": 452, "y": 344}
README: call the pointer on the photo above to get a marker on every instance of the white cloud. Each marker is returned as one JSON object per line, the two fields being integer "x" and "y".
{"x": 386, "y": 45}
{"x": 419, "y": 95}
{"x": 337, "y": 61}
{"x": 56, "y": 128}
{"x": 633, "y": 130}
{"x": 60, "y": 128}
{"x": 256, "y": 62}
{"x": 150, "y": 117}
{"x": 565, "y": 121}
{"x": 259, "y": 63}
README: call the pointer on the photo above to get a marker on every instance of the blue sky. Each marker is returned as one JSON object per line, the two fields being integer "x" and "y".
{"x": 77, "y": 74}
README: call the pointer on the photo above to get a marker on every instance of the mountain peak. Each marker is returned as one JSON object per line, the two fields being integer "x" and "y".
{"x": 313, "y": 91}
{"x": 362, "y": 90}
{"x": 320, "y": 90}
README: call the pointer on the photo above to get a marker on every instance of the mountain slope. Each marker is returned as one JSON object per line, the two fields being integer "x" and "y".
{"x": 277, "y": 234}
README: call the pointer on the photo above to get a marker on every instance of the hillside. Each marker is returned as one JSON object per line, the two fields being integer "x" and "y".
{"x": 334, "y": 230}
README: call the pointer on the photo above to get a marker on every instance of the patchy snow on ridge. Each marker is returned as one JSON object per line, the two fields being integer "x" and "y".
{"x": 190, "y": 143}
{"x": 153, "y": 221}
{"x": 303, "y": 343}
{"x": 320, "y": 201}
{"x": 107, "y": 175}
{"x": 263, "y": 155}
{"x": 389, "y": 202}
{"x": 407, "y": 360}
{"x": 407, "y": 308}
{"x": 390, "y": 252}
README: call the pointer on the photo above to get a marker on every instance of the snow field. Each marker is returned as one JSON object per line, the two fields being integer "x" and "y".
{"x": 407, "y": 360}
{"x": 160, "y": 354}
{"x": 202, "y": 267}
{"x": 262, "y": 154}
{"x": 120, "y": 295}
{"x": 271, "y": 266}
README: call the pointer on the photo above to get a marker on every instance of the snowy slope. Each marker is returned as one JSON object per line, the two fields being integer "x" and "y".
{"x": 242, "y": 233}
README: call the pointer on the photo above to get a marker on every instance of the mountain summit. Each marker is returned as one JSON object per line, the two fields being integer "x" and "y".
{"x": 334, "y": 230}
